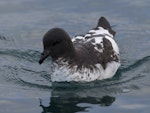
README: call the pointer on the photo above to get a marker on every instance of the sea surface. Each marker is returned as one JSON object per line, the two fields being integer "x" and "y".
{"x": 25, "y": 86}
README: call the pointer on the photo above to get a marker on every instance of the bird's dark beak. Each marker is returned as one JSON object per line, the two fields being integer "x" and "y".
{"x": 44, "y": 55}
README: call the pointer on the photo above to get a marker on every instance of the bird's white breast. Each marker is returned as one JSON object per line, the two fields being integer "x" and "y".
{"x": 64, "y": 74}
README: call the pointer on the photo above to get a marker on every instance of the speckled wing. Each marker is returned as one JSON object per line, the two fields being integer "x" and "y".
{"x": 78, "y": 39}
{"x": 101, "y": 40}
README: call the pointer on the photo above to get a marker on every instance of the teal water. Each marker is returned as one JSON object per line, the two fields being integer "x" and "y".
{"x": 25, "y": 86}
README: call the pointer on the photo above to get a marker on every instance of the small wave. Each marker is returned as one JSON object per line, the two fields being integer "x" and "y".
{"x": 6, "y": 39}
{"x": 27, "y": 78}
{"x": 29, "y": 55}
{"x": 133, "y": 75}
{"x": 134, "y": 66}
{"x": 34, "y": 85}
{"x": 20, "y": 67}
{"x": 3, "y": 37}
{"x": 7, "y": 42}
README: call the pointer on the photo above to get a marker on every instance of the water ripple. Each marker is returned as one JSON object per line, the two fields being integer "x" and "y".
{"x": 24, "y": 70}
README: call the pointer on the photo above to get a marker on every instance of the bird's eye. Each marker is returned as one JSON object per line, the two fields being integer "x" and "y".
{"x": 56, "y": 42}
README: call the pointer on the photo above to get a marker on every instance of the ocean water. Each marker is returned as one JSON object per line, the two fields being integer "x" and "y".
{"x": 25, "y": 86}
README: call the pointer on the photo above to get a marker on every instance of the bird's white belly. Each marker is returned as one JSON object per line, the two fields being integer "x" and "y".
{"x": 63, "y": 73}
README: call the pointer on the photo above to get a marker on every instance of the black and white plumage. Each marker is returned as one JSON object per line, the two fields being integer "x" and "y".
{"x": 93, "y": 56}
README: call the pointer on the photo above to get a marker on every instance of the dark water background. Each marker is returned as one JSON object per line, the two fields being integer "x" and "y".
{"x": 25, "y": 85}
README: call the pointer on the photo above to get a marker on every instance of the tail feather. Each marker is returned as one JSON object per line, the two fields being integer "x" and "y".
{"x": 106, "y": 25}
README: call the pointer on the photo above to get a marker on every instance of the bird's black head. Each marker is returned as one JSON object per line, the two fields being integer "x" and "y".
{"x": 56, "y": 43}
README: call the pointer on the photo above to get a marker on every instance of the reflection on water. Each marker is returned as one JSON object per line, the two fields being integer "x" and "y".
{"x": 70, "y": 105}
{"x": 74, "y": 103}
